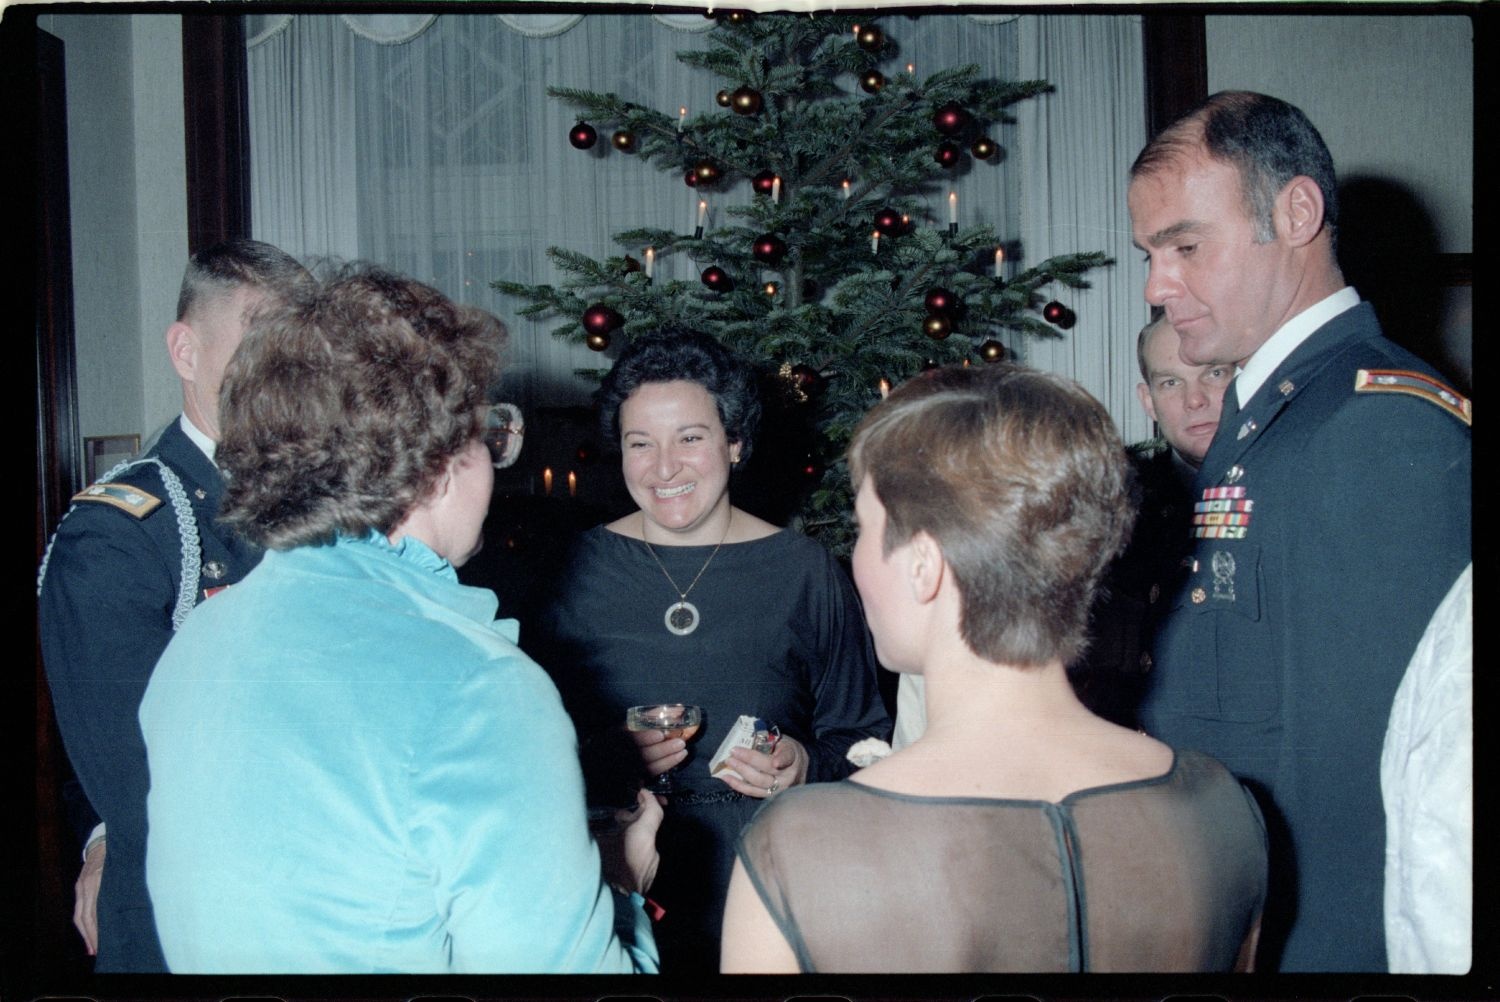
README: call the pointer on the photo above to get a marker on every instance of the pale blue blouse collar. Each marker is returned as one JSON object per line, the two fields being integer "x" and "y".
{"x": 408, "y": 548}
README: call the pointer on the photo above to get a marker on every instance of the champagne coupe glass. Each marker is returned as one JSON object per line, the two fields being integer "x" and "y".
{"x": 673, "y": 720}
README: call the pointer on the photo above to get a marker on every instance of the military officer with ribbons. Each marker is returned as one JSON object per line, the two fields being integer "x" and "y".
{"x": 1331, "y": 513}
{"x": 131, "y": 558}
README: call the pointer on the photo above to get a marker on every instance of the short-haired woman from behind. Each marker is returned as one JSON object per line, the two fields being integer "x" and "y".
{"x": 353, "y": 767}
{"x": 1020, "y": 832}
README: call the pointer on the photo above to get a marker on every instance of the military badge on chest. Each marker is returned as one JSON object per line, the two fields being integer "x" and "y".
{"x": 1223, "y": 513}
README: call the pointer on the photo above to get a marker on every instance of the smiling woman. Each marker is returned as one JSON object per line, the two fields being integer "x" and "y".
{"x": 692, "y": 600}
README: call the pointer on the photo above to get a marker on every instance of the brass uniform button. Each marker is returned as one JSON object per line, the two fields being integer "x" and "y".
{"x": 1146, "y": 662}
{"x": 1199, "y": 596}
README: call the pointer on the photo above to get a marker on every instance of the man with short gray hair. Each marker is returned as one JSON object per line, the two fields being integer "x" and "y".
{"x": 1331, "y": 513}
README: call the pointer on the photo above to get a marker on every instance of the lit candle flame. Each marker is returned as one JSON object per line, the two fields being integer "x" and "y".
{"x": 846, "y": 189}
{"x": 547, "y": 481}
{"x": 952, "y": 208}
{"x": 875, "y": 242}
{"x": 572, "y": 484}
{"x": 885, "y": 388}
{"x": 999, "y": 260}
{"x": 650, "y": 261}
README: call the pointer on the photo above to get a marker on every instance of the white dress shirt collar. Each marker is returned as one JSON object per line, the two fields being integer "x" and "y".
{"x": 197, "y": 437}
{"x": 1286, "y": 340}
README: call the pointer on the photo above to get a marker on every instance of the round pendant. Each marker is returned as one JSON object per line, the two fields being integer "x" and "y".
{"x": 682, "y": 618}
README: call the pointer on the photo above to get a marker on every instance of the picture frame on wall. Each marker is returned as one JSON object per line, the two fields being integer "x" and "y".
{"x": 102, "y": 452}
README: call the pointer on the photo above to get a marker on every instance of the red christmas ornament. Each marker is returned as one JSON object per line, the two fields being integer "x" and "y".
{"x": 992, "y": 351}
{"x": 690, "y": 177}
{"x": 601, "y": 319}
{"x": 583, "y": 136}
{"x": 722, "y": 99}
{"x": 763, "y": 182}
{"x": 946, "y": 154}
{"x": 716, "y": 278}
{"x": 872, "y": 81}
{"x": 888, "y": 221}
{"x": 870, "y": 38}
{"x": 1056, "y": 313}
{"x": 805, "y": 377}
{"x": 937, "y": 326}
{"x": 708, "y": 172}
{"x": 746, "y": 101}
{"x": 631, "y": 264}
{"x": 950, "y": 119}
{"x": 984, "y": 147}
{"x": 769, "y": 248}
{"x": 940, "y": 300}
{"x": 597, "y": 342}
{"x": 624, "y": 141}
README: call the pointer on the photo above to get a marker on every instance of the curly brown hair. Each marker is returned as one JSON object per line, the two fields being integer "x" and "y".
{"x": 339, "y": 412}
{"x": 1022, "y": 480}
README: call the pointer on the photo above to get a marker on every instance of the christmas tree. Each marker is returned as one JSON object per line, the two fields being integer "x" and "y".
{"x": 833, "y": 276}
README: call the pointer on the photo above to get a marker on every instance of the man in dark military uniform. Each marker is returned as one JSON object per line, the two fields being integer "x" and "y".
{"x": 1332, "y": 512}
{"x": 1184, "y": 402}
{"x": 133, "y": 556}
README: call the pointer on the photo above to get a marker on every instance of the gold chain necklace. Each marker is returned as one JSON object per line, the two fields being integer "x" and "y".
{"x": 682, "y": 616}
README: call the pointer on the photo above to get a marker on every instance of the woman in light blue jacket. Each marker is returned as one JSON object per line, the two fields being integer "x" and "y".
{"x": 353, "y": 767}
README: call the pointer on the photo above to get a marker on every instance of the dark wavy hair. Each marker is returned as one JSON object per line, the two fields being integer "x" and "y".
{"x": 340, "y": 412}
{"x": 669, "y": 355}
{"x": 1022, "y": 480}
{"x": 1265, "y": 139}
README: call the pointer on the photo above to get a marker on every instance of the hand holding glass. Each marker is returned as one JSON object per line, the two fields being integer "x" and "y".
{"x": 671, "y": 720}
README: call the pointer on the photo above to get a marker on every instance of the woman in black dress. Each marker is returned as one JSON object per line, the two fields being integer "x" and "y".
{"x": 1020, "y": 832}
{"x": 689, "y": 599}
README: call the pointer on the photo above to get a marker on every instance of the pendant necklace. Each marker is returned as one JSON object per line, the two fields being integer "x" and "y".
{"x": 682, "y": 615}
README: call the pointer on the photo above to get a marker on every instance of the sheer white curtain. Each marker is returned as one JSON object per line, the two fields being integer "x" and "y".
{"x": 1076, "y": 147}
{"x": 428, "y": 143}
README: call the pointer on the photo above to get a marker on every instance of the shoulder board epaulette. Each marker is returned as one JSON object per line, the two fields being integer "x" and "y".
{"x": 122, "y": 496}
{"x": 1415, "y": 384}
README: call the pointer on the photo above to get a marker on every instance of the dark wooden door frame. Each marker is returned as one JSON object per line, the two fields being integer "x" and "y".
{"x": 216, "y": 121}
{"x": 1175, "y": 51}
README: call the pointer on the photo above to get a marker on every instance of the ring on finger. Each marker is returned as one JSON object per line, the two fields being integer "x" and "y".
{"x": 775, "y": 785}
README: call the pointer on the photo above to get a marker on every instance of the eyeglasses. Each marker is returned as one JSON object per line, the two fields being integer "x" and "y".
{"x": 504, "y": 429}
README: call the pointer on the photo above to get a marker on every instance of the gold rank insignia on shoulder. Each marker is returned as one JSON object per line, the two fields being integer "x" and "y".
{"x": 1416, "y": 385}
{"x": 122, "y": 496}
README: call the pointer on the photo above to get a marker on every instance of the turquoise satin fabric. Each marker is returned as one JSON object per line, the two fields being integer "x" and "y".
{"x": 355, "y": 770}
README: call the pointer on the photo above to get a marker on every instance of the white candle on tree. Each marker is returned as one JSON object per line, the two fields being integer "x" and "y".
{"x": 650, "y": 261}
{"x": 999, "y": 261}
